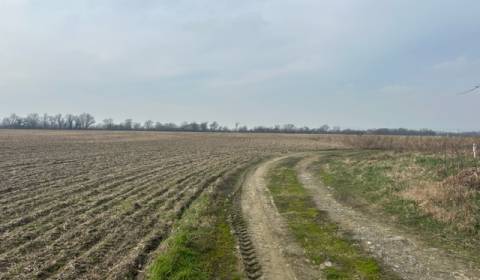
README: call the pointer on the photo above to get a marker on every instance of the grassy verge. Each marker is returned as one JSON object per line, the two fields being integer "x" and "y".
{"x": 321, "y": 238}
{"x": 202, "y": 245}
{"x": 412, "y": 190}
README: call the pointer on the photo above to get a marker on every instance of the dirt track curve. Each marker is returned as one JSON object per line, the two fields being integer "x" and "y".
{"x": 281, "y": 258}
{"x": 405, "y": 254}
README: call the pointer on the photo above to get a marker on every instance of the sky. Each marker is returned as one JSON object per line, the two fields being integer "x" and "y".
{"x": 349, "y": 63}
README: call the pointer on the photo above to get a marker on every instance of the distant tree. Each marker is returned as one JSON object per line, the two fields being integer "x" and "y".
{"x": 204, "y": 126}
{"x": 148, "y": 125}
{"x": 324, "y": 128}
{"x": 86, "y": 120}
{"x": 214, "y": 126}
{"x": 185, "y": 126}
{"x": 13, "y": 121}
{"x": 304, "y": 129}
{"x": 69, "y": 121}
{"x": 336, "y": 129}
{"x": 90, "y": 121}
{"x": 194, "y": 126}
{"x": 52, "y": 122}
{"x": 77, "y": 122}
{"x": 137, "y": 126}
{"x": 128, "y": 124}
{"x": 289, "y": 128}
{"x": 159, "y": 126}
{"x": 170, "y": 127}
{"x": 6, "y": 122}
{"x": 108, "y": 123}
{"x": 58, "y": 121}
{"x": 32, "y": 121}
{"x": 45, "y": 121}
{"x": 16, "y": 121}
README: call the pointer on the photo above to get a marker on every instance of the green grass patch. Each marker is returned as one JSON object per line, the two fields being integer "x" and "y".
{"x": 316, "y": 233}
{"x": 202, "y": 245}
{"x": 443, "y": 166}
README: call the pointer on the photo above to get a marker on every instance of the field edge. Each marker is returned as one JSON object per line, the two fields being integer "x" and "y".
{"x": 203, "y": 244}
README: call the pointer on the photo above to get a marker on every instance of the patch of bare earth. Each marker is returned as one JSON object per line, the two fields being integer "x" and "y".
{"x": 403, "y": 252}
{"x": 277, "y": 252}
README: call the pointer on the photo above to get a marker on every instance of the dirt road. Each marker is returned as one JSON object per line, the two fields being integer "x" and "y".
{"x": 281, "y": 258}
{"x": 279, "y": 255}
{"x": 405, "y": 254}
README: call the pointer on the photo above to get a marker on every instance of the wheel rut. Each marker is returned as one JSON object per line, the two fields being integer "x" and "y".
{"x": 265, "y": 243}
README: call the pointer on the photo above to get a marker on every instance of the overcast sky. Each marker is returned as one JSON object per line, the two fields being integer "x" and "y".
{"x": 352, "y": 63}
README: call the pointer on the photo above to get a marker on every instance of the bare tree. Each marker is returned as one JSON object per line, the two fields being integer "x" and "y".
{"x": 137, "y": 126}
{"x": 6, "y": 122}
{"x": 289, "y": 127}
{"x": 51, "y": 122}
{"x": 204, "y": 126}
{"x": 77, "y": 123}
{"x": 128, "y": 124}
{"x": 108, "y": 123}
{"x": 148, "y": 125}
{"x": 214, "y": 126}
{"x": 59, "y": 121}
{"x": 69, "y": 121}
{"x": 324, "y": 128}
{"x": 16, "y": 120}
{"x": 32, "y": 121}
{"x": 86, "y": 120}
{"x": 194, "y": 126}
{"x": 336, "y": 129}
{"x": 90, "y": 121}
{"x": 9, "y": 122}
{"x": 45, "y": 121}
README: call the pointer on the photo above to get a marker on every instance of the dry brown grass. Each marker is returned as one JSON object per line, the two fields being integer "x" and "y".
{"x": 452, "y": 201}
{"x": 450, "y": 196}
{"x": 429, "y": 144}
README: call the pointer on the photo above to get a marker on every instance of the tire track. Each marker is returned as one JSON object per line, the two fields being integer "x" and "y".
{"x": 265, "y": 227}
{"x": 252, "y": 266}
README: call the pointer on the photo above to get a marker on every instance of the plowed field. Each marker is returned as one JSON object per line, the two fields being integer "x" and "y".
{"x": 93, "y": 205}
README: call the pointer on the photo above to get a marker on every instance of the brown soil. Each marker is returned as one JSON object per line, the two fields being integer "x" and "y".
{"x": 279, "y": 255}
{"x": 94, "y": 205}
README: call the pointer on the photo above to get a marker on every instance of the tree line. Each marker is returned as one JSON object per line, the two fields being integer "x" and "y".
{"x": 87, "y": 121}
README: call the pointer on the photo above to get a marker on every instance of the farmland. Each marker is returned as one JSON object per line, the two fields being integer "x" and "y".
{"x": 178, "y": 205}
{"x": 93, "y": 205}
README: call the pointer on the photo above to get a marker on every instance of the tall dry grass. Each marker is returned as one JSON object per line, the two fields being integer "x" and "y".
{"x": 429, "y": 144}
{"x": 455, "y": 199}
{"x": 456, "y": 151}
{"x": 448, "y": 202}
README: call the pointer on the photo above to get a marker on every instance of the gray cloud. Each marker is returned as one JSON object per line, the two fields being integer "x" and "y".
{"x": 351, "y": 63}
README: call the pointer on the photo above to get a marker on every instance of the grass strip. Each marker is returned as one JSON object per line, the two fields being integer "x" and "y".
{"x": 325, "y": 244}
{"x": 202, "y": 245}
